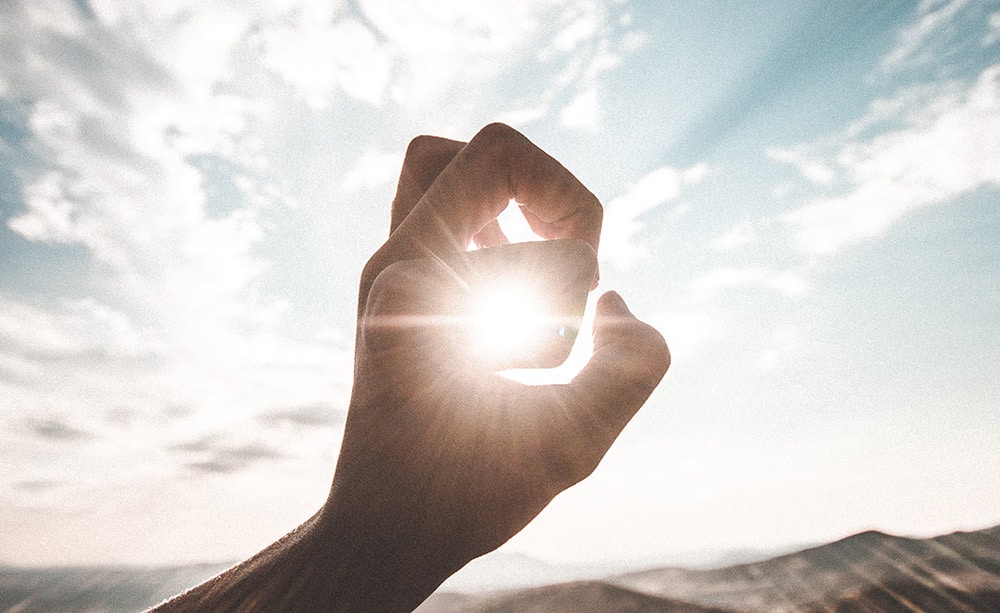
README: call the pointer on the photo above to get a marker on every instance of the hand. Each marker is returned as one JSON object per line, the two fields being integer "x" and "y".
{"x": 443, "y": 460}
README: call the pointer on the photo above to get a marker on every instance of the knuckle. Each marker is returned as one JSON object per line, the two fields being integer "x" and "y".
{"x": 421, "y": 147}
{"x": 569, "y": 465}
{"x": 498, "y": 131}
{"x": 496, "y": 139}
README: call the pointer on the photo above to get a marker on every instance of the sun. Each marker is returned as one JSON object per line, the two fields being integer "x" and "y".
{"x": 505, "y": 319}
{"x": 518, "y": 306}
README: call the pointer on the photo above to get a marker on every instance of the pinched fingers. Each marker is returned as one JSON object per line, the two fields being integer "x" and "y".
{"x": 497, "y": 165}
{"x": 500, "y": 164}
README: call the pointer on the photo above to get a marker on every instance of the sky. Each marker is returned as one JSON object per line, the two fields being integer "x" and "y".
{"x": 802, "y": 197}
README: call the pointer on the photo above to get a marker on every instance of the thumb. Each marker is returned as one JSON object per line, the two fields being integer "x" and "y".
{"x": 629, "y": 360}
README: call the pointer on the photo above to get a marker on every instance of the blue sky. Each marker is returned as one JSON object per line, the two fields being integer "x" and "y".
{"x": 801, "y": 196}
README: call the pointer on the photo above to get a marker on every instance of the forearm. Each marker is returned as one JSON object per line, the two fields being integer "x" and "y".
{"x": 321, "y": 566}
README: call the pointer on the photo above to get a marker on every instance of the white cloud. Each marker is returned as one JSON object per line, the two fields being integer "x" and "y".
{"x": 581, "y": 22}
{"x": 163, "y": 82}
{"x": 948, "y": 147}
{"x": 435, "y": 44}
{"x": 69, "y": 328}
{"x": 914, "y": 44}
{"x": 316, "y": 56}
{"x": 622, "y": 215}
{"x": 373, "y": 169}
{"x": 523, "y": 116}
{"x": 587, "y": 38}
{"x": 787, "y": 282}
{"x": 815, "y": 171}
{"x": 175, "y": 316}
{"x": 583, "y": 113}
{"x": 993, "y": 35}
{"x": 116, "y": 178}
{"x": 738, "y": 236}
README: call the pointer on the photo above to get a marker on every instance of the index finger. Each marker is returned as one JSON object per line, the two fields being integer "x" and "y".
{"x": 426, "y": 157}
{"x": 497, "y": 165}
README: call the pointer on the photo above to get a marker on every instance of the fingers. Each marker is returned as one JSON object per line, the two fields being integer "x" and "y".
{"x": 498, "y": 164}
{"x": 426, "y": 157}
{"x": 490, "y": 236}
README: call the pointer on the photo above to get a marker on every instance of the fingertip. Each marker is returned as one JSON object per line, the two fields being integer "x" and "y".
{"x": 491, "y": 235}
{"x": 611, "y": 303}
{"x": 616, "y": 325}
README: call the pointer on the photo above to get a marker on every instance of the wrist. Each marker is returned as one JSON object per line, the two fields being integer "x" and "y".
{"x": 370, "y": 565}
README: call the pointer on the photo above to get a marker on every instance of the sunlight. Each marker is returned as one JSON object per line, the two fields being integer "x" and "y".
{"x": 506, "y": 318}
{"x": 510, "y": 321}
{"x": 522, "y": 303}
{"x": 578, "y": 357}
{"x": 514, "y": 226}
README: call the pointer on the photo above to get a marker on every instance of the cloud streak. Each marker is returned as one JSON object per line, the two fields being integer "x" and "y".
{"x": 54, "y": 430}
{"x": 947, "y": 148}
{"x": 623, "y": 214}
{"x": 215, "y": 455}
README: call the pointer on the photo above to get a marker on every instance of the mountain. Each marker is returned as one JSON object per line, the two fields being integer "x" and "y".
{"x": 563, "y": 598}
{"x": 870, "y": 571}
{"x": 95, "y": 589}
{"x": 867, "y": 571}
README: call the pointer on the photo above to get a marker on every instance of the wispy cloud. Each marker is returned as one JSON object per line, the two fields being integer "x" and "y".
{"x": 55, "y": 430}
{"x": 583, "y": 112}
{"x": 117, "y": 106}
{"x": 319, "y": 53}
{"x": 622, "y": 216}
{"x": 734, "y": 238}
{"x": 66, "y": 329}
{"x": 814, "y": 170}
{"x": 36, "y": 485}
{"x": 946, "y": 148}
{"x": 992, "y": 35}
{"x": 790, "y": 282}
{"x": 916, "y": 44}
{"x": 581, "y": 43}
{"x": 317, "y": 415}
{"x": 372, "y": 170}
{"x": 215, "y": 454}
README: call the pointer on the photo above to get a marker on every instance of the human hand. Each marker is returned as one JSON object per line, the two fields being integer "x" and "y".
{"x": 443, "y": 460}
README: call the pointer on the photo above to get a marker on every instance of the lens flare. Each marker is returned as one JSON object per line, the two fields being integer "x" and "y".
{"x": 516, "y": 306}
{"x": 506, "y": 319}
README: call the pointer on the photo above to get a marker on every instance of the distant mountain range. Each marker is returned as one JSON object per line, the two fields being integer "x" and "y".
{"x": 870, "y": 571}
{"x": 95, "y": 589}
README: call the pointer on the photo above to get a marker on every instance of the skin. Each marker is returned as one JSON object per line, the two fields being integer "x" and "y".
{"x": 441, "y": 462}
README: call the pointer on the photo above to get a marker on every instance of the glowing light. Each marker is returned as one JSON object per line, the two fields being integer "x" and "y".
{"x": 517, "y": 306}
{"x": 506, "y": 319}
{"x": 514, "y": 226}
